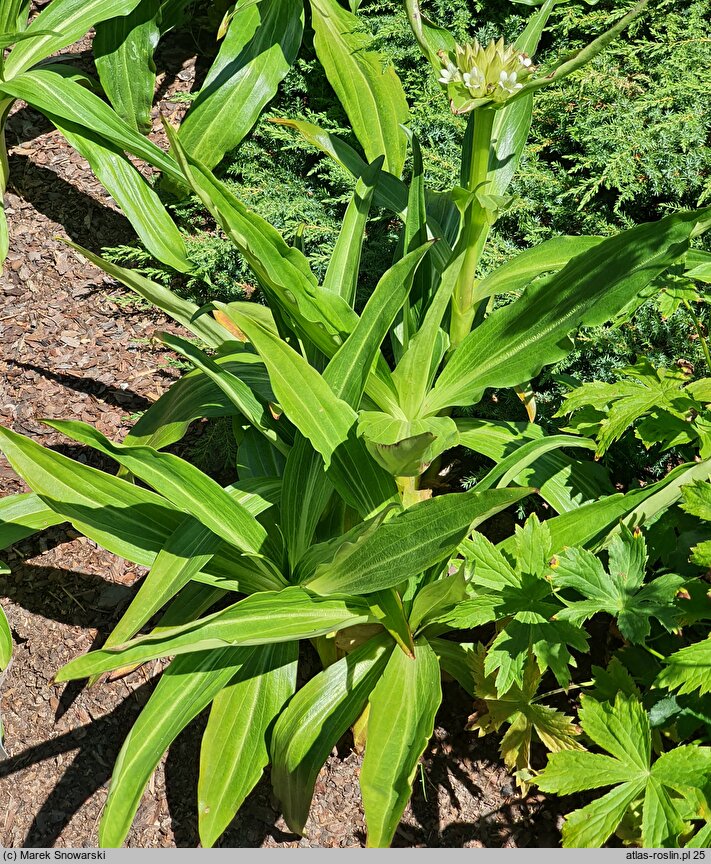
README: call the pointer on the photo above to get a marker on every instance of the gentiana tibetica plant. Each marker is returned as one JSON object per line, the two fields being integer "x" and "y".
{"x": 333, "y": 531}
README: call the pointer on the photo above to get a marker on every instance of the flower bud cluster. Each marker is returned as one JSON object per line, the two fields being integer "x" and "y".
{"x": 475, "y": 75}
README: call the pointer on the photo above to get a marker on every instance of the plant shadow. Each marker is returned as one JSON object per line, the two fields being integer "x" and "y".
{"x": 118, "y": 397}
{"x": 97, "y": 746}
{"x": 82, "y": 217}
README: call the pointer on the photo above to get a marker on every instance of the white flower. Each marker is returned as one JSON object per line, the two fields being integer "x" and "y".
{"x": 474, "y": 79}
{"x": 450, "y": 74}
{"x": 508, "y": 82}
{"x": 475, "y": 74}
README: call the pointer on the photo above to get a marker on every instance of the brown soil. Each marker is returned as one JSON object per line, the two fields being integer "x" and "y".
{"x": 75, "y": 346}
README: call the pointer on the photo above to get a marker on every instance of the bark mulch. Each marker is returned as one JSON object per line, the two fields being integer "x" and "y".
{"x": 73, "y": 345}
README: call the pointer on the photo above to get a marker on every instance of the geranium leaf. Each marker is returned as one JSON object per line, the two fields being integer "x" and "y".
{"x": 688, "y": 669}
{"x": 623, "y": 729}
{"x": 516, "y": 707}
{"x": 619, "y": 592}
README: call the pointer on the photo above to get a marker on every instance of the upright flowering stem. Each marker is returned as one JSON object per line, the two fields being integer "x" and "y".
{"x": 476, "y": 226}
{"x": 477, "y": 78}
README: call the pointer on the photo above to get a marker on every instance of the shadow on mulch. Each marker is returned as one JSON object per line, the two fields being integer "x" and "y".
{"x": 25, "y": 125}
{"x": 82, "y": 217}
{"x": 46, "y": 591}
{"x": 126, "y": 399}
{"x": 98, "y": 745}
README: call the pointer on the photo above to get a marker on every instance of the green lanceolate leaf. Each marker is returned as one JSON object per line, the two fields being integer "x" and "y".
{"x": 698, "y": 265}
{"x": 195, "y": 396}
{"x": 623, "y": 731}
{"x": 4, "y": 233}
{"x": 370, "y": 92}
{"x": 307, "y": 491}
{"x": 123, "y": 52}
{"x": 190, "y": 603}
{"x": 510, "y": 467}
{"x": 57, "y": 96}
{"x": 432, "y": 601}
{"x": 261, "y": 43}
{"x": 7, "y": 40}
{"x": 414, "y": 235}
{"x": 125, "y": 519}
{"x": 13, "y": 16}
{"x": 589, "y": 524}
{"x": 350, "y": 367}
{"x": 182, "y": 311}
{"x": 261, "y": 619}
{"x": 343, "y": 268}
{"x": 666, "y": 492}
{"x": 5, "y": 639}
{"x": 515, "y": 342}
{"x": 409, "y": 543}
{"x": 333, "y": 528}
{"x": 181, "y": 483}
{"x": 549, "y": 256}
{"x": 513, "y": 122}
{"x": 22, "y": 516}
{"x": 388, "y": 608}
{"x": 307, "y": 485}
{"x": 431, "y": 38}
{"x": 418, "y": 365}
{"x": 139, "y": 203}
{"x": 275, "y": 262}
{"x": 236, "y": 390}
{"x": 390, "y": 191}
{"x": 229, "y": 571}
{"x": 456, "y": 659}
{"x": 63, "y": 22}
{"x": 327, "y": 421}
{"x": 403, "y": 705}
{"x": 234, "y": 747}
{"x": 689, "y": 669}
{"x": 257, "y": 458}
{"x": 187, "y": 686}
{"x": 185, "y": 553}
{"x": 314, "y": 721}
{"x": 563, "y": 482}
{"x": 283, "y": 271}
